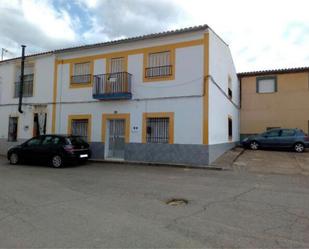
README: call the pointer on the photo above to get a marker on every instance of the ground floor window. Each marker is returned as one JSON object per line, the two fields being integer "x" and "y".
{"x": 80, "y": 128}
{"x": 230, "y": 128}
{"x": 13, "y": 124}
{"x": 158, "y": 128}
{"x": 80, "y": 125}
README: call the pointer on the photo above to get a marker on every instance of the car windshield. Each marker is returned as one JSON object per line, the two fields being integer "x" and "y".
{"x": 76, "y": 140}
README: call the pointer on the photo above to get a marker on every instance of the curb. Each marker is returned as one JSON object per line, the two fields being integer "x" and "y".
{"x": 153, "y": 164}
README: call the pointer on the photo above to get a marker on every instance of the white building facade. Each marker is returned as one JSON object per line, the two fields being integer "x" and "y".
{"x": 169, "y": 98}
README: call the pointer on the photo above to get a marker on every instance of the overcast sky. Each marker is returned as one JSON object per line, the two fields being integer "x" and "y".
{"x": 262, "y": 34}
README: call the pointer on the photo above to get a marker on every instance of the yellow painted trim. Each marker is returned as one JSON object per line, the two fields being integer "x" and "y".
{"x": 55, "y": 86}
{"x": 78, "y": 117}
{"x": 169, "y": 115}
{"x": 81, "y": 85}
{"x": 230, "y": 118}
{"x": 136, "y": 51}
{"x": 206, "y": 90}
{"x": 125, "y": 116}
{"x": 145, "y": 64}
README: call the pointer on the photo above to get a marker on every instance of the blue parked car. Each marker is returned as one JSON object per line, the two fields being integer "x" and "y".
{"x": 294, "y": 139}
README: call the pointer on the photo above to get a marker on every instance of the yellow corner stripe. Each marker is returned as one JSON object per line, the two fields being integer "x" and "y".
{"x": 53, "y": 128}
{"x": 206, "y": 90}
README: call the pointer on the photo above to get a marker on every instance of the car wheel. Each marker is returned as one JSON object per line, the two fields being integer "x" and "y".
{"x": 56, "y": 161}
{"x": 254, "y": 145}
{"x": 299, "y": 147}
{"x": 14, "y": 159}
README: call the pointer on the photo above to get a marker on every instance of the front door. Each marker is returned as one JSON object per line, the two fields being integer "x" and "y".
{"x": 115, "y": 138}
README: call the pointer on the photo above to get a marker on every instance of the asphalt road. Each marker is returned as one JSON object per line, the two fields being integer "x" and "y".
{"x": 111, "y": 205}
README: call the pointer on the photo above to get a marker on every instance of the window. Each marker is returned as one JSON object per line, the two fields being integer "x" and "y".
{"x": 157, "y": 130}
{"x": 159, "y": 64}
{"x": 230, "y": 92}
{"x": 34, "y": 142}
{"x": 287, "y": 133}
{"x": 230, "y": 128}
{"x": 79, "y": 127}
{"x": 273, "y": 133}
{"x": 117, "y": 65}
{"x": 266, "y": 84}
{"x": 158, "y": 127}
{"x": 47, "y": 140}
{"x": 271, "y": 128}
{"x": 28, "y": 81}
{"x": 13, "y": 125}
{"x": 81, "y": 73}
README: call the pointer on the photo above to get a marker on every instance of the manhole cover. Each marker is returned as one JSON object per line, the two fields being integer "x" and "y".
{"x": 177, "y": 202}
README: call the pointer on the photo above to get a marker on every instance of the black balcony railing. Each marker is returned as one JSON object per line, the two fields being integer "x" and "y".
{"x": 81, "y": 79}
{"x": 162, "y": 71}
{"x": 27, "y": 87}
{"x": 112, "y": 86}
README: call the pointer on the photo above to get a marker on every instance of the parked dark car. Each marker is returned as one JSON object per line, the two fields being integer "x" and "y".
{"x": 294, "y": 139}
{"x": 56, "y": 150}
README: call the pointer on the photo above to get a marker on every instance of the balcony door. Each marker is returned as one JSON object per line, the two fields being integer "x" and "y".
{"x": 116, "y": 78}
{"x": 115, "y": 139}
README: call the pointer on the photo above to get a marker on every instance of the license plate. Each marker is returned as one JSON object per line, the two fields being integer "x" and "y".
{"x": 83, "y": 156}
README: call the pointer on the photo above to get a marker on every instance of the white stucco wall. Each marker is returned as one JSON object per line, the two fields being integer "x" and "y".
{"x": 183, "y": 96}
{"x": 42, "y": 95}
{"x": 188, "y": 78}
{"x": 187, "y": 123}
{"x": 25, "y": 120}
{"x": 220, "y": 68}
{"x": 42, "y": 84}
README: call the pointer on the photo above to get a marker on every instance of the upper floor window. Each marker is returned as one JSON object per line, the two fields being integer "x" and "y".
{"x": 81, "y": 73}
{"x": 230, "y": 91}
{"x": 159, "y": 64}
{"x": 28, "y": 81}
{"x": 117, "y": 65}
{"x": 266, "y": 84}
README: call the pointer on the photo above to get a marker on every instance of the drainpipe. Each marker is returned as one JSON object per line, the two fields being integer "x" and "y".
{"x": 21, "y": 84}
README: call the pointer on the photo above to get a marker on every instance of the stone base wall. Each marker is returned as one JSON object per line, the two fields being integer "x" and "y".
{"x": 182, "y": 154}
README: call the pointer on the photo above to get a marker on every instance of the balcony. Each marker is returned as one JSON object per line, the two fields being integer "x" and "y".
{"x": 27, "y": 87}
{"x": 112, "y": 86}
{"x": 162, "y": 71}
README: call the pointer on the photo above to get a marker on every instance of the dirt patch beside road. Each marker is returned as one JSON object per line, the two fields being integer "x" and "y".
{"x": 281, "y": 162}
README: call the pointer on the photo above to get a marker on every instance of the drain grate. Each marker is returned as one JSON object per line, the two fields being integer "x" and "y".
{"x": 177, "y": 202}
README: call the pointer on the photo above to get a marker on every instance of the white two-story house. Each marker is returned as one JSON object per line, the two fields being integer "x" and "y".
{"x": 169, "y": 97}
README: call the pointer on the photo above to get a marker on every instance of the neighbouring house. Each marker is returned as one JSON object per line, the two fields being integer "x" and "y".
{"x": 170, "y": 97}
{"x": 274, "y": 98}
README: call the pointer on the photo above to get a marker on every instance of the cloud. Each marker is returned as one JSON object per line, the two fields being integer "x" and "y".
{"x": 261, "y": 34}
{"x": 35, "y": 23}
{"x": 114, "y": 19}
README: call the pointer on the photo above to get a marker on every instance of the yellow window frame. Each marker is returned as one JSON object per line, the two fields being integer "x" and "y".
{"x": 81, "y": 85}
{"x": 146, "y": 54}
{"x": 169, "y": 115}
{"x": 80, "y": 117}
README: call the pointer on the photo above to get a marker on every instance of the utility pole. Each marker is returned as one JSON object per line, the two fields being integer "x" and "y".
{"x": 3, "y": 50}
